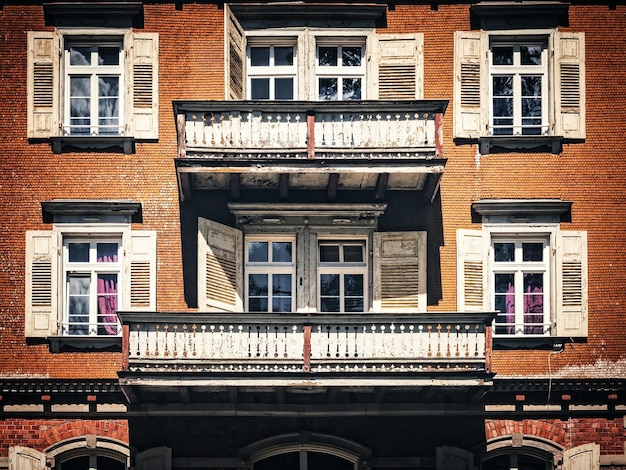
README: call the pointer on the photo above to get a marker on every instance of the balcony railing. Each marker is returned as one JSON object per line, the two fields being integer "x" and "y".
{"x": 307, "y": 344}
{"x": 296, "y": 129}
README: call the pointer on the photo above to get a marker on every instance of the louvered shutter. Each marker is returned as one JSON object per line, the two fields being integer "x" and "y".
{"x": 583, "y": 457}
{"x": 41, "y": 284}
{"x": 454, "y": 458}
{"x": 219, "y": 267}
{"x": 400, "y": 66}
{"x": 470, "y": 101}
{"x": 43, "y": 84}
{"x": 25, "y": 458}
{"x": 399, "y": 272}
{"x": 471, "y": 271}
{"x": 571, "y": 284}
{"x": 157, "y": 458}
{"x": 235, "y": 56}
{"x": 140, "y": 271}
{"x": 569, "y": 65}
{"x": 143, "y": 101}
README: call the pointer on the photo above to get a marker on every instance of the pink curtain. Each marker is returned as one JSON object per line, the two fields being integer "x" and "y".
{"x": 510, "y": 309}
{"x": 533, "y": 310}
{"x": 107, "y": 297}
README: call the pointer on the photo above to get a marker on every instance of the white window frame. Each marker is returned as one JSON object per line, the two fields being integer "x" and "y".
{"x": 270, "y": 267}
{"x": 272, "y": 71}
{"x": 343, "y": 268}
{"x": 518, "y": 268}
{"x": 94, "y": 72}
{"x": 91, "y": 269}
{"x": 340, "y": 72}
{"x": 516, "y": 71}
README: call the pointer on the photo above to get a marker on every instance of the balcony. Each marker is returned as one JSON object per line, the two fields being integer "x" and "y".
{"x": 218, "y": 350}
{"x": 332, "y": 145}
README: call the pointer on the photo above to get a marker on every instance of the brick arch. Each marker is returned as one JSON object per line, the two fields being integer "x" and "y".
{"x": 61, "y": 430}
{"x": 548, "y": 430}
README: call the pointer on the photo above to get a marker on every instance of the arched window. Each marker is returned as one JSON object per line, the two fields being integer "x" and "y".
{"x": 89, "y": 452}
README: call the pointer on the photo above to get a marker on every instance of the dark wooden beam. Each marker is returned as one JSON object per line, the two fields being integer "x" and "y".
{"x": 431, "y": 187}
{"x": 235, "y": 185}
{"x": 184, "y": 181}
{"x": 283, "y": 185}
{"x": 381, "y": 185}
{"x": 333, "y": 183}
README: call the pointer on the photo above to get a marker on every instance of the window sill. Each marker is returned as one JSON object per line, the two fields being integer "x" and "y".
{"x": 121, "y": 144}
{"x": 530, "y": 143}
{"x": 85, "y": 343}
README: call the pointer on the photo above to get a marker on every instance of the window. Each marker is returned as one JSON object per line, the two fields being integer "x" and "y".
{"x": 525, "y": 90}
{"x": 518, "y": 88}
{"x": 342, "y": 276}
{"x": 104, "y": 87}
{"x": 532, "y": 273}
{"x": 520, "y": 286}
{"x": 307, "y": 60}
{"x": 318, "y": 267}
{"x": 92, "y": 272}
{"x": 340, "y": 72}
{"x": 270, "y": 275}
{"x": 93, "y": 78}
{"x": 79, "y": 275}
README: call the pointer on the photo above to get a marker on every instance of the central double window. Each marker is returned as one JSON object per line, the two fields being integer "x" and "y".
{"x": 342, "y": 274}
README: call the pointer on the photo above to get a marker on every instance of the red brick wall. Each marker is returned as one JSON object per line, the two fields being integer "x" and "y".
{"x": 41, "y": 433}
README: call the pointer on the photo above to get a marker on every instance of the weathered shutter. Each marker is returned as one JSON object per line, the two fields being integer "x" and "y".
{"x": 583, "y": 457}
{"x": 143, "y": 100}
{"x": 157, "y": 458}
{"x": 306, "y": 269}
{"x": 470, "y": 101}
{"x": 399, "y": 272}
{"x": 41, "y": 284}
{"x": 43, "y": 84}
{"x": 454, "y": 458}
{"x": 140, "y": 271}
{"x": 235, "y": 40}
{"x": 470, "y": 271}
{"x": 569, "y": 73}
{"x": 219, "y": 267}
{"x": 400, "y": 66}
{"x": 25, "y": 458}
{"x": 571, "y": 284}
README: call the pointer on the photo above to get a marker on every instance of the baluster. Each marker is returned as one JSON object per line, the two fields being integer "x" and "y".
{"x": 467, "y": 328}
{"x": 476, "y": 353}
{"x": 184, "y": 340}
{"x": 457, "y": 353}
{"x": 439, "y": 340}
{"x": 356, "y": 350}
{"x": 175, "y": 341}
{"x": 166, "y": 331}
{"x": 337, "y": 341}
{"x": 194, "y": 350}
{"x": 194, "y": 139}
{"x": 212, "y": 120}
{"x": 448, "y": 329}
{"x": 328, "y": 341}
{"x": 430, "y": 352}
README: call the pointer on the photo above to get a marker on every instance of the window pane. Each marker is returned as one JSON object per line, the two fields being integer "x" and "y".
{"x": 258, "y": 252}
{"x": 283, "y": 55}
{"x": 504, "y": 302}
{"x": 78, "y": 463}
{"x": 328, "y": 56}
{"x": 530, "y": 55}
{"x": 329, "y": 253}
{"x": 78, "y": 252}
{"x": 353, "y": 253}
{"x": 108, "y": 56}
{"x": 259, "y": 56}
{"x": 532, "y": 251}
{"x": 106, "y": 463}
{"x": 328, "y": 89}
{"x": 281, "y": 304}
{"x": 257, "y": 304}
{"x": 106, "y": 252}
{"x": 78, "y": 305}
{"x": 351, "y": 57}
{"x": 320, "y": 461}
{"x": 283, "y": 88}
{"x": 281, "y": 284}
{"x": 80, "y": 105}
{"x": 260, "y": 89}
{"x": 504, "y": 251}
{"x": 502, "y": 55}
{"x": 329, "y": 284}
{"x": 258, "y": 285}
{"x": 329, "y": 304}
{"x": 286, "y": 461}
{"x": 80, "y": 55}
{"x": 108, "y": 105}
{"x": 353, "y": 285}
{"x": 351, "y": 89}
{"x": 281, "y": 252}
{"x": 107, "y": 304}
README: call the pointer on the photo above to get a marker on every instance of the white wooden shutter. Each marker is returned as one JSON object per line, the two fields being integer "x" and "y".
{"x": 41, "y": 313}
{"x": 220, "y": 267}
{"x": 583, "y": 457}
{"x": 471, "y": 271}
{"x": 25, "y": 458}
{"x": 143, "y": 86}
{"x": 571, "y": 284}
{"x": 454, "y": 458}
{"x": 157, "y": 458}
{"x": 235, "y": 55}
{"x": 43, "y": 84}
{"x": 569, "y": 73}
{"x": 140, "y": 271}
{"x": 399, "y": 272}
{"x": 470, "y": 99}
{"x": 400, "y": 59}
